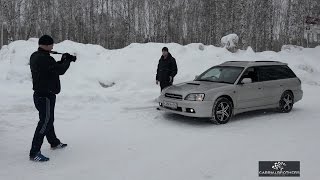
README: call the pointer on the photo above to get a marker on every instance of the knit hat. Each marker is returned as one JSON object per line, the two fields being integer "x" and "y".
{"x": 45, "y": 40}
{"x": 165, "y": 49}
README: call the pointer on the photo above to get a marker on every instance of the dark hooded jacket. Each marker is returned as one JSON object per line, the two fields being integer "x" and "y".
{"x": 46, "y": 71}
{"x": 166, "y": 68}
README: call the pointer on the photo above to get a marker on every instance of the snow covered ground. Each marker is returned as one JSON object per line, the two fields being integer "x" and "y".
{"x": 116, "y": 132}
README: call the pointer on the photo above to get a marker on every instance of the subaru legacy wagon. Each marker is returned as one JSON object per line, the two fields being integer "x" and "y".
{"x": 234, "y": 87}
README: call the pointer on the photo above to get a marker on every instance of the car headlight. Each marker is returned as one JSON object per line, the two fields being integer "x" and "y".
{"x": 194, "y": 97}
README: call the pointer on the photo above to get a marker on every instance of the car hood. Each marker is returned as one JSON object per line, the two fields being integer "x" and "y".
{"x": 194, "y": 87}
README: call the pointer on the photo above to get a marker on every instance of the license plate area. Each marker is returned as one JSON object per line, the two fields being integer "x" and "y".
{"x": 170, "y": 105}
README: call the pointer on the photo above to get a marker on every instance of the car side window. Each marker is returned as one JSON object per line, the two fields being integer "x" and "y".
{"x": 266, "y": 73}
{"x": 251, "y": 73}
{"x": 285, "y": 72}
{"x": 269, "y": 73}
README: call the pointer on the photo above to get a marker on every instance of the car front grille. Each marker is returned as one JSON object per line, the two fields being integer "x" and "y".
{"x": 173, "y": 96}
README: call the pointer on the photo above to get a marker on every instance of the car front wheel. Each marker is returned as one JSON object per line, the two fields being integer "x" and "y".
{"x": 222, "y": 111}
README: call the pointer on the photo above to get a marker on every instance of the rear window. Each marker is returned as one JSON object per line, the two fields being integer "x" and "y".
{"x": 269, "y": 73}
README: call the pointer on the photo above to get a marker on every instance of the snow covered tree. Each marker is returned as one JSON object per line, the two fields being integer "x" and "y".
{"x": 261, "y": 24}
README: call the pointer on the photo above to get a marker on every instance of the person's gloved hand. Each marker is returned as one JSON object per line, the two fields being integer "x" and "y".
{"x": 170, "y": 79}
{"x": 69, "y": 57}
{"x": 157, "y": 82}
{"x": 64, "y": 56}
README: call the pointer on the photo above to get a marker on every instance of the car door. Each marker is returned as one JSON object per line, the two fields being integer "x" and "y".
{"x": 251, "y": 94}
{"x": 272, "y": 78}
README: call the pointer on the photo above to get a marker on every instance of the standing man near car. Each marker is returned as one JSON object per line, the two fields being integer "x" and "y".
{"x": 46, "y": 84}
{"x": 167, "y": 69}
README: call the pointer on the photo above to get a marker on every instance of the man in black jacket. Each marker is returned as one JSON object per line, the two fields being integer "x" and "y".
{"x": 46, "y": 84}
{"x": 167, "y": 69}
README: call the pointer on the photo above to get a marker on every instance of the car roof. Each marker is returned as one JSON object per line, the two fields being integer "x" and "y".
{"x": 252, "y": 63}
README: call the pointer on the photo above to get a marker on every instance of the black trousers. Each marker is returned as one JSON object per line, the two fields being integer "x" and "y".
{"x": 164, "y": 84}
{"x": 45, "y": 104}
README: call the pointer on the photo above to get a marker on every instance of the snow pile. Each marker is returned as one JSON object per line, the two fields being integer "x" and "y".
{"x": 291, "y": 47}
{"x": 133, "y": 68}
{"x": 230, "y": 42}
{"x": 106, "y": 113}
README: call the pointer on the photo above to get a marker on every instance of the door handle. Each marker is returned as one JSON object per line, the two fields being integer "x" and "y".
{"x": 260, "y": 88}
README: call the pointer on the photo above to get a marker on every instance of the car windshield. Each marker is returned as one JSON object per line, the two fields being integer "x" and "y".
{"x": 221, "y": 74}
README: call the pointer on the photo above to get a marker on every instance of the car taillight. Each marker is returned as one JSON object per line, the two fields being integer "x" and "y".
{"x": 299, "y": 80}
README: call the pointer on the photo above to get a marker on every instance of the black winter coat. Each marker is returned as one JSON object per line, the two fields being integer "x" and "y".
{"x": 166, "y": 68}
{"x": 46, "y": 71}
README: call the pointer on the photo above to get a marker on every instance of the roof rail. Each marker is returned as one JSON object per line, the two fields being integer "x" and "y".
{"x": 268, "y": 61}
{"x": 237, "y": 61}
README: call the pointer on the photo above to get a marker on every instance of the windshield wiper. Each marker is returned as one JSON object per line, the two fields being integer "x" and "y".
{"x": 223, "y": 82}
{"x": 207, "y": 80}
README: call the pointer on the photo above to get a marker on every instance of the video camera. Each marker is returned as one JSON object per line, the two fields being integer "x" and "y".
{"x": 66, "y": 56}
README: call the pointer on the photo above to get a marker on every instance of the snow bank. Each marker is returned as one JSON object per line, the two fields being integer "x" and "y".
{"x": 133, "y": 67}
{"x": 230, "y": 42}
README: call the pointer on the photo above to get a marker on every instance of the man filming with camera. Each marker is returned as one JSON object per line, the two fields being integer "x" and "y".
{"x": 46, "y": 84}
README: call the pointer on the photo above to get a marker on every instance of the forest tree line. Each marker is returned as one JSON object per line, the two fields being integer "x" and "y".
{"x": 261, "y": 24}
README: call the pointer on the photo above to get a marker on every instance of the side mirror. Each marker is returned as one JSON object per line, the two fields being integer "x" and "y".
{"x": 196, "y": 77}
{"x": 246, "y": 81}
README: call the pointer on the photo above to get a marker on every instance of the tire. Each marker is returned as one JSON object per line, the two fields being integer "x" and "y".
{"x": 286, "y": 102}
{"x": 222, "y": 111}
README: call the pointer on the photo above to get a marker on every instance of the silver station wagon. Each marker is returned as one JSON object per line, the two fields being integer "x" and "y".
{"x": 234, "y": 87}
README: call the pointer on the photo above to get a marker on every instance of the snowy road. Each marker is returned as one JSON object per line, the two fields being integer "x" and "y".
{"x": 114, "y": 142}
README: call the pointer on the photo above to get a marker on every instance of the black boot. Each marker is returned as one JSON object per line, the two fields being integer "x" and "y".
{"x": 59, "y": 146}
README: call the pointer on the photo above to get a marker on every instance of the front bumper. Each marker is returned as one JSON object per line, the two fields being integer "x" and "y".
{"x": 202, "y": 109}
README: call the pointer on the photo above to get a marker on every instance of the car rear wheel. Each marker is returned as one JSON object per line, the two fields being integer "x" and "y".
{"x": 222, "y": 111}
{"x": 286, "y": 102}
